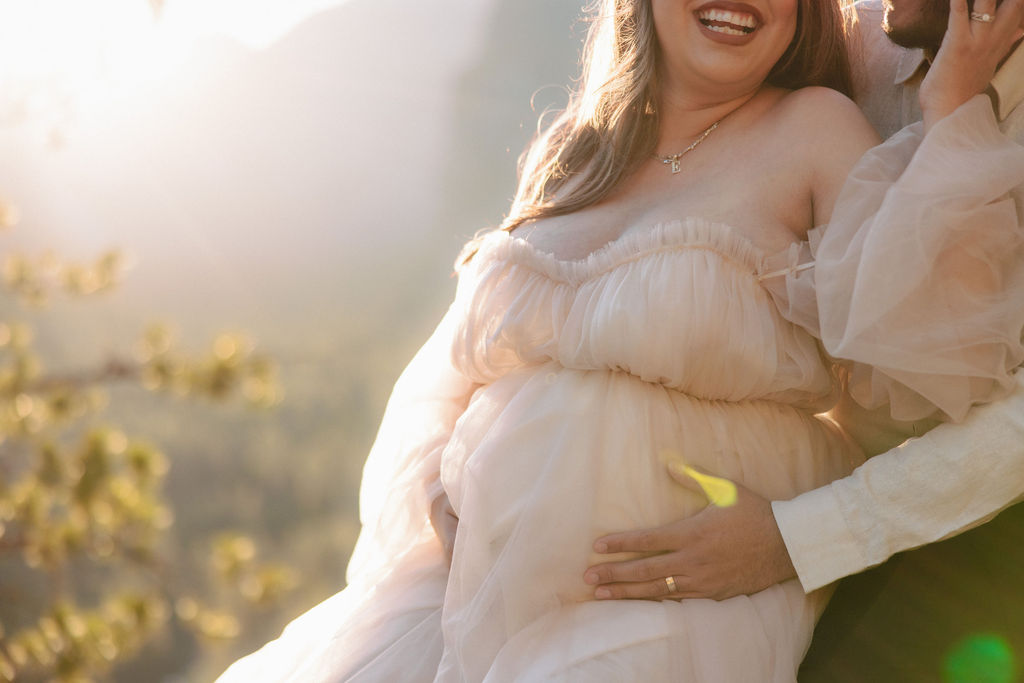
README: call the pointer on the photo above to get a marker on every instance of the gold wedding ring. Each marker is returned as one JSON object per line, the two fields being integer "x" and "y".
{"x": 985, "y": 17}
{"x": 671, "y": 583}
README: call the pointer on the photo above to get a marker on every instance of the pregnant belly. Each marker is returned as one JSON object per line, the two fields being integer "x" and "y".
{"x": 544, "y": 462}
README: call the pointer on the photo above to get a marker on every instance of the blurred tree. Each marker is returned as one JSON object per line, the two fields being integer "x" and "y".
{"x": 85, "y": 576}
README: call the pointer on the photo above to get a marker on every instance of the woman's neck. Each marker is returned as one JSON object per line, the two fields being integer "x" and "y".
{"x": 681, "y": 119}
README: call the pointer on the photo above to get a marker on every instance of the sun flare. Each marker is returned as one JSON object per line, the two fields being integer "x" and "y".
{"x": 98, "y": 51}
{"x": 78, "y": 46}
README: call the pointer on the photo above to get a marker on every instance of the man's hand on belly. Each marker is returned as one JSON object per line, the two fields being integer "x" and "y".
{"x": 718, "y": 553}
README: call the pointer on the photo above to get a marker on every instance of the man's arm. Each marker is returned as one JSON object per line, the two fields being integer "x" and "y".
{"x": 931, "y": 487}
{"x": 938, "y": 485}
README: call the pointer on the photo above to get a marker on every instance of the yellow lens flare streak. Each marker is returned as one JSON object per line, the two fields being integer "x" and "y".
{"x": 719, "y": 492}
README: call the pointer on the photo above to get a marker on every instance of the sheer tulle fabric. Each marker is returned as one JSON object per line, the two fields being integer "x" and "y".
{"x": 548, "y": 402}
{"x": 581, "y": 407}
{"x": 919, "y": 277}
{"x": 386, "y": 625}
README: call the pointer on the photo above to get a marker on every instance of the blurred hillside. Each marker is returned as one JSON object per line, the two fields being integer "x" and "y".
{"x": 313, "y": 194}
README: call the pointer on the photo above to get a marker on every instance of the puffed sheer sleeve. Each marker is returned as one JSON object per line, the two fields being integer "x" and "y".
{"x": 401, "y": 475}
{"x": 917, "y": 283}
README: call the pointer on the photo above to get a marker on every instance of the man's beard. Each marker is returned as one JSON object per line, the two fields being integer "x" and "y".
{"x": 925, "y": 29}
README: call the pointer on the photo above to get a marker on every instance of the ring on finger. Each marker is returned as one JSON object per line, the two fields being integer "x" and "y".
{"x": 671, "y": 583}
{"x": 983, "y": 17}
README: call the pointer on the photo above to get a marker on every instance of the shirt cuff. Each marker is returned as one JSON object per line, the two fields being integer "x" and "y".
{"x": 817, "y": 538}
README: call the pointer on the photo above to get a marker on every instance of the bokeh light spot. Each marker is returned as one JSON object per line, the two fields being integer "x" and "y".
{"x": 980, "y": 658}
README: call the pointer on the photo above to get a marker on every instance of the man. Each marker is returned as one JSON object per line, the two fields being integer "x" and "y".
{"x": 888, "y": 624}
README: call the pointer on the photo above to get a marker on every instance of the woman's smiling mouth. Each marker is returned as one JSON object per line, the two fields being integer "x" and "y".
{"x": 727, "y": 22}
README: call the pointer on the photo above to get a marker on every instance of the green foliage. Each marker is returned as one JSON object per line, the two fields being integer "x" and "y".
{"x": 85, "y": 576}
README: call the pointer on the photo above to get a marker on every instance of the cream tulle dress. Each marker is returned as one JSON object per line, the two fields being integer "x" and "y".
{"x": 553, "y": 393}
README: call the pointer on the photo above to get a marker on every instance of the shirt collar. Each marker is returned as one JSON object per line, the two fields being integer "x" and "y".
{"x": 909, "y": 63}
{"x": 1008, "y": 83}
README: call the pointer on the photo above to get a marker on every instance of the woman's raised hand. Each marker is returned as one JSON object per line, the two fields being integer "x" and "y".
{"x": 970, "y": 54}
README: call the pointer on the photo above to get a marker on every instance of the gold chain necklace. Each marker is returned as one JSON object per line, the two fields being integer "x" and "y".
{"x": 673, "y": 159}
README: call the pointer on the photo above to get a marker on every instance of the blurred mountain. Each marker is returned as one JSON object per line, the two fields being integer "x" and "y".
{"x": 375, "y": 132}
{"x": 262, "y": 174}
{"x": 524, "y": 67}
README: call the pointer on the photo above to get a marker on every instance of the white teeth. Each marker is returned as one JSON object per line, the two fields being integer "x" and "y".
{"x": 727, "y": 30}
{"x": 735, "y": 22}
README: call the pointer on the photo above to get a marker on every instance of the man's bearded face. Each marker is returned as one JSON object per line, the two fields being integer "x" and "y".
{"x": 916, "y": 23}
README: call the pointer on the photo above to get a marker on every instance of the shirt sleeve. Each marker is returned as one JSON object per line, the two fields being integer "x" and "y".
{"x": 929, "y": 488}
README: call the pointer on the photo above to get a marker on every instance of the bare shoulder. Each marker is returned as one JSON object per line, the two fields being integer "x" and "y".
{"x": 825, "y": 112}
{"x": 828, "y": 134}
{"x": 825, "y": 127}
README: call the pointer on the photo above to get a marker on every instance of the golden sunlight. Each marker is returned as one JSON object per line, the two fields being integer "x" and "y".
{"x": 73, "y": 45}
{"x": 95, "y": 50}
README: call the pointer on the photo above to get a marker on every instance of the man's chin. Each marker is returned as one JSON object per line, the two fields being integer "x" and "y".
{"x": 902, "y": 37}
{"x": 925, "y": 30}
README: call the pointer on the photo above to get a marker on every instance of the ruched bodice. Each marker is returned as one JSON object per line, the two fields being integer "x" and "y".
{"x": 593, "y": 374}
{"x": 679, "y": 304}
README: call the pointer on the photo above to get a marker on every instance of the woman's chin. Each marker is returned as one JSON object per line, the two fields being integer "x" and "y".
{"x": 727, "y": 77}
{"x": 735, "y": 62}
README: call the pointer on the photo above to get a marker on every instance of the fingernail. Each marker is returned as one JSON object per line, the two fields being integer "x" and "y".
{"x": 601, "y": 547}
{"x": 590, "y": 578}
{"x": 602, "y": 594}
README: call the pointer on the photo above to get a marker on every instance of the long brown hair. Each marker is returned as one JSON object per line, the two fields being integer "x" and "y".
{"x": 611, "y": 121}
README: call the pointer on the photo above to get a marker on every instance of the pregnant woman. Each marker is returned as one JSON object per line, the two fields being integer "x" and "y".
{"x": 634, "y": 313}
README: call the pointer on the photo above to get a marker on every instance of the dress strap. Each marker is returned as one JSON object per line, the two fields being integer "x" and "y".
{"x": 791, "y": 270}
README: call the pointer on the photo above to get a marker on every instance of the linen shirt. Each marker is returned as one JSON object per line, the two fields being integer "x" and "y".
{"x": 957, "y": 475}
